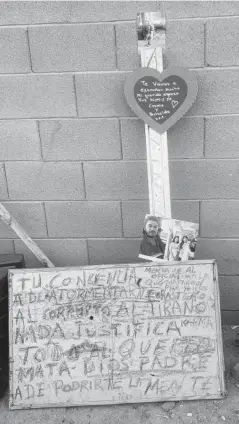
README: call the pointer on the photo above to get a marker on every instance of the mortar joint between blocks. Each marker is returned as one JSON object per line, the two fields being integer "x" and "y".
{"x": 120, "y": 138}
{"x": 29, "y": 49}
{"x": 6, "y": 180}
{"x": 45, "y": 215}
{"x": 116, "y": 54}
{"x": 204, "y": 138}
{"x": 75, "y": 93}
{"x": 83, "y": 178}
{"x": 40, "y": 140}
{"x": 87, "y": 251}
{"x": 205, "y": 44}
{"x": 200, "y": 217}
{"x": 121, "y": 219}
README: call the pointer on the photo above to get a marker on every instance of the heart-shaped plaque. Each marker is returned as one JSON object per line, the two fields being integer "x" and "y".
{"x": 161, "y": 99}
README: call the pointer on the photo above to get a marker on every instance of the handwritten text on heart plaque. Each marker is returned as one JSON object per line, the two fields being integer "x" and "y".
{"x": 160, "y": 99}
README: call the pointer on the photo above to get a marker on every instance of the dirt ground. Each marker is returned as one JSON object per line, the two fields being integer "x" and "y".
{"x": 191, "y": 412}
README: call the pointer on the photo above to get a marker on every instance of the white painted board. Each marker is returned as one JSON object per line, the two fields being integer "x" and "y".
{"x": 157, "y": 150}
{"x": 115, "y": 334}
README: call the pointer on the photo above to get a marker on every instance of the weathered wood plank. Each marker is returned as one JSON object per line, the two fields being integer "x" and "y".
{"x": 115, "y": 334}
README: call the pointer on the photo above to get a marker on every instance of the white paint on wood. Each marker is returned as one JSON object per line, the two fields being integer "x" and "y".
{"x": 115, "y": 334}
{"x": 11, "y": 222}
{"x": 157, "y": 150}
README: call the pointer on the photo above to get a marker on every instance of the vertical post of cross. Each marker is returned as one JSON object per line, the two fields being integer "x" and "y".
{"x": 151, "y": 41}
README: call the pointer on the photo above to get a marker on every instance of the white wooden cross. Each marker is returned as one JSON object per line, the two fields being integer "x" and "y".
{"x": 151, "y": 52}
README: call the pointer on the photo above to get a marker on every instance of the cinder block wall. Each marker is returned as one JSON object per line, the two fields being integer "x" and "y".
{"x": 73, "y": 169}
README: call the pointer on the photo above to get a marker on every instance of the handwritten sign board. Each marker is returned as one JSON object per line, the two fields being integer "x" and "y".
{"x": 161, "y": 99}
{"x": 115, "y": 334}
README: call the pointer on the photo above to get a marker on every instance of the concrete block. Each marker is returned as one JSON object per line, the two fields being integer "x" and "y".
{"x": 84, "y": 219}
{"x": 29, "y": 12}
{"x": 226, "y": 252}
{"x": 7, "y": 247}
{"x": 217, "y": 93}
{"x": 114, "y": 10}
{"x": 81, "y": 139}
{"x": 229, "y": 292}
{"x": 100, "y": 95}
{"x": 221, "y": 137}
{"x": 115, "y": 251}
{"x": 72, "y": 48}
{"x": 219, "y": 218}
{"x": 116, "y": 180}
{"x": 14, "y": 51}
{"x": 185, "y": 43}
{"x": 204, "y": 179}
{"x": 222, "y": 47}
{"x": 196, "y": 9}
{"x": 45, "y": 181}
{"x": 95, "y": 11}
{"x": 185, "y": 210}
{"x": 185, "y": 139}
{"x": 133, "y": 138}
{"x": 30, "y": 216}
{"x": 36, "y": 96}
{"x": 133, "y": 213}
{"x": 19, "y": 140}
{"x": 3, "y": 183}
{"x": 62, "y": 252}
{"x": 127, "y": 46}
{"x": 25, "y": 12}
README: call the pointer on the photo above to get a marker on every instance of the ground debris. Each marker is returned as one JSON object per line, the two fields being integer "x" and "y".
{"x": 168, "y": 406}
{"x": 201, "y": 419}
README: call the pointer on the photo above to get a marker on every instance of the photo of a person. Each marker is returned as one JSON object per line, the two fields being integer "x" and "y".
{"x": 184, "y": 249}
{"x": 151, "y": 244}
{"x": 151, "y": 30}
{"x": 148, "y": 31}
{"x": 192, "y": 249}
{"x": 168, "y": 239}
{"x": 174, "y": 248}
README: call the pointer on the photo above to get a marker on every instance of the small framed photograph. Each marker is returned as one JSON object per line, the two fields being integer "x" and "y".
{"x": 168, "y": 239}
{"x": 151, "y": 30}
